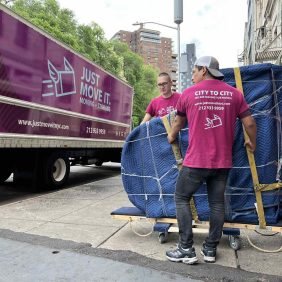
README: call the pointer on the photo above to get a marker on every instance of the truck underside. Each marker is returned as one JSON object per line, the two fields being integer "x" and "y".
{"x": 48, "y": 168}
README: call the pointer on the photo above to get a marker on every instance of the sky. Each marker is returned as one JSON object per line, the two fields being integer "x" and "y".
{"x": 215, "y": 26}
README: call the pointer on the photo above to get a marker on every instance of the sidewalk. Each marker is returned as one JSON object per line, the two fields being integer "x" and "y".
{"x": 80, "y": 217}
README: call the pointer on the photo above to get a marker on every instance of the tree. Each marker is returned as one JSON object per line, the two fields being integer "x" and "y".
{"x": 47, "y": 15}
{"x": 94, "y": 45}
{"x": 142, "y": 77}
{"x": 145, "y": 90}
{"x": 61, "y": 24}
{"x": 6, "y": 2}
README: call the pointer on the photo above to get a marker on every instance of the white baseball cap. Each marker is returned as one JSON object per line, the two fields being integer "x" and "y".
{"x": 211, "y": 63}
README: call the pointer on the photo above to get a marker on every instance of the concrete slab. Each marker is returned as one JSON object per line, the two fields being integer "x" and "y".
{"x": 95, "y": 191}
{"x": 42, "y": 208}
{"x": 149, "y": 246}
{"x": 95, "y": 235}
{"x": 251, "y": 259}
{"x": 19, "y": 225}
{"x": 98, "y": 214}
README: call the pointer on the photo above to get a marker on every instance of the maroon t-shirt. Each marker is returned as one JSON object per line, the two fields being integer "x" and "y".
{"x": 211, "y": 108}
{"x": 161, "y": 106}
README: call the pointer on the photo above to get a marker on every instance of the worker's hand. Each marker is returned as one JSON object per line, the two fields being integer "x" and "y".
{"x": 250, "y": 146}
{"x": 170, "y": 138}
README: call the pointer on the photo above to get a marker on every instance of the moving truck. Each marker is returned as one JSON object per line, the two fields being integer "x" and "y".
{"x": 57, "y": 108}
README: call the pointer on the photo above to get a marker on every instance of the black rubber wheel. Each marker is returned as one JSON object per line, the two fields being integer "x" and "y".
{"x": 234, "y": 242}
{"x": 98, "y": 163}
{"x": 163, "y": 237}
{"x": 56, "y": 170}
{"x": 4, "y": 174}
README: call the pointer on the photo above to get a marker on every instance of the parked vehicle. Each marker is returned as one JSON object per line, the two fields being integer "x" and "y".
{"x": 57, "y": 108}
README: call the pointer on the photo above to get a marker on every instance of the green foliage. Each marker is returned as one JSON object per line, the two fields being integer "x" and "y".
{"x": 97, "y": 48}
{"x": 132, "y": 63}
{"x": 47, "y": 15}
{"x": 142, "y": 77}
{"x": 145, "y": 90}
{"x": 61, "y": 23}
{"x": 6, "y": 2}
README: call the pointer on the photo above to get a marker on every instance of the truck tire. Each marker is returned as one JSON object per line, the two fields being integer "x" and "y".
{"x": 4, "y": 174}
{"x": 56, "y": 171}
{"x": 98, "y": 163}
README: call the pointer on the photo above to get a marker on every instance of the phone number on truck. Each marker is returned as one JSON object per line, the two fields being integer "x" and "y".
{"x": 95, "y": 130}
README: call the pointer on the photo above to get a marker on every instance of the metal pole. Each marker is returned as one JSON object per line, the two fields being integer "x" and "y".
{"x": 178, "y": 52}
{"x": 178, "y": 19}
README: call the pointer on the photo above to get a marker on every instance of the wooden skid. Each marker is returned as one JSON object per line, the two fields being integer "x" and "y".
{"x": 197, "y": 223}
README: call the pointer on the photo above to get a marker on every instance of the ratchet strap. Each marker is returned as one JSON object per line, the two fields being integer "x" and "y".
{"x": 251, "y": 158}
{"x": 178, "y": 157}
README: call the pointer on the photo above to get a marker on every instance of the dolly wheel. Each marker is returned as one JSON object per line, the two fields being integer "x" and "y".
{"x": 163, "y": 237}
{"x": 234, "y": 242}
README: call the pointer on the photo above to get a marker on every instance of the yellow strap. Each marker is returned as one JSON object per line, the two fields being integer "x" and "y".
{"x": 178, "y": 157}
{"x": 174, "y": 145}
{"x": 268, "y": 187}
{"x": 252, "y": 162}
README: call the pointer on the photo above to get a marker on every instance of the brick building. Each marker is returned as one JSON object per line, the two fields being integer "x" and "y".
{"x": 154, "y": 49}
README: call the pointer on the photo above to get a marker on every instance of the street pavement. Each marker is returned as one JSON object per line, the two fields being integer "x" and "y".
{"x": 69, "y": 235}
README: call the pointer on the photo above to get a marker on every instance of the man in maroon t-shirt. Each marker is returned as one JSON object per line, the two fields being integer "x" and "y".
{"x": 166, "y": 102}
{"x": 211, "y": 108}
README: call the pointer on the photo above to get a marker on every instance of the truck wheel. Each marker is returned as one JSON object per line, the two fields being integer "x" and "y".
{"x": 4, "y": 174}
{"x": 57, "y": 170}
{"x": 98, "y": 163}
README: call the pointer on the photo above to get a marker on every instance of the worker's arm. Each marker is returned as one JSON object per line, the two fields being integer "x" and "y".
{"x": 251, "y": 129}
{"x": 147, "y": 117}
{"x": 177, "y": 125}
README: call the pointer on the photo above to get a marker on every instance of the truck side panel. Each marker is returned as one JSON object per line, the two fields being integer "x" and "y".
{"x": 22, "y": 120}
{"x": 47, "y": 89}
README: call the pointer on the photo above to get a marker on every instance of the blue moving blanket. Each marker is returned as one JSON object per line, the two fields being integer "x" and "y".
{"x": 149, "y": 168}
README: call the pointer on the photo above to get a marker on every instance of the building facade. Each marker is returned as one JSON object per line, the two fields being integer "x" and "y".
{"x": 263, "y": 39}
{"x": 154, "y": 49}
{"x": 187, "y": 61}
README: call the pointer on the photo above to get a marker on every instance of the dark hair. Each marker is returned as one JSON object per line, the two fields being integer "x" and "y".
{"x": 164, "y": 74}
{"x": 201, "y": 67}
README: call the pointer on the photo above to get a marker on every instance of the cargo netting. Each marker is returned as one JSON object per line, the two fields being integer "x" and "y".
{"x": 150, "y": 169}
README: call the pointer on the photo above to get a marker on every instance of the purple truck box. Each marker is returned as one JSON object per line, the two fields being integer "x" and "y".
{"x": 48, "y": 89}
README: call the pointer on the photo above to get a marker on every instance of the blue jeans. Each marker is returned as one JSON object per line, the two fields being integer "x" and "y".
{"x": 188, "y": 182}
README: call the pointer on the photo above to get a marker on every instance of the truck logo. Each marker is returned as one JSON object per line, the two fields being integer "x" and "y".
{"x": 62, "y": 82}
